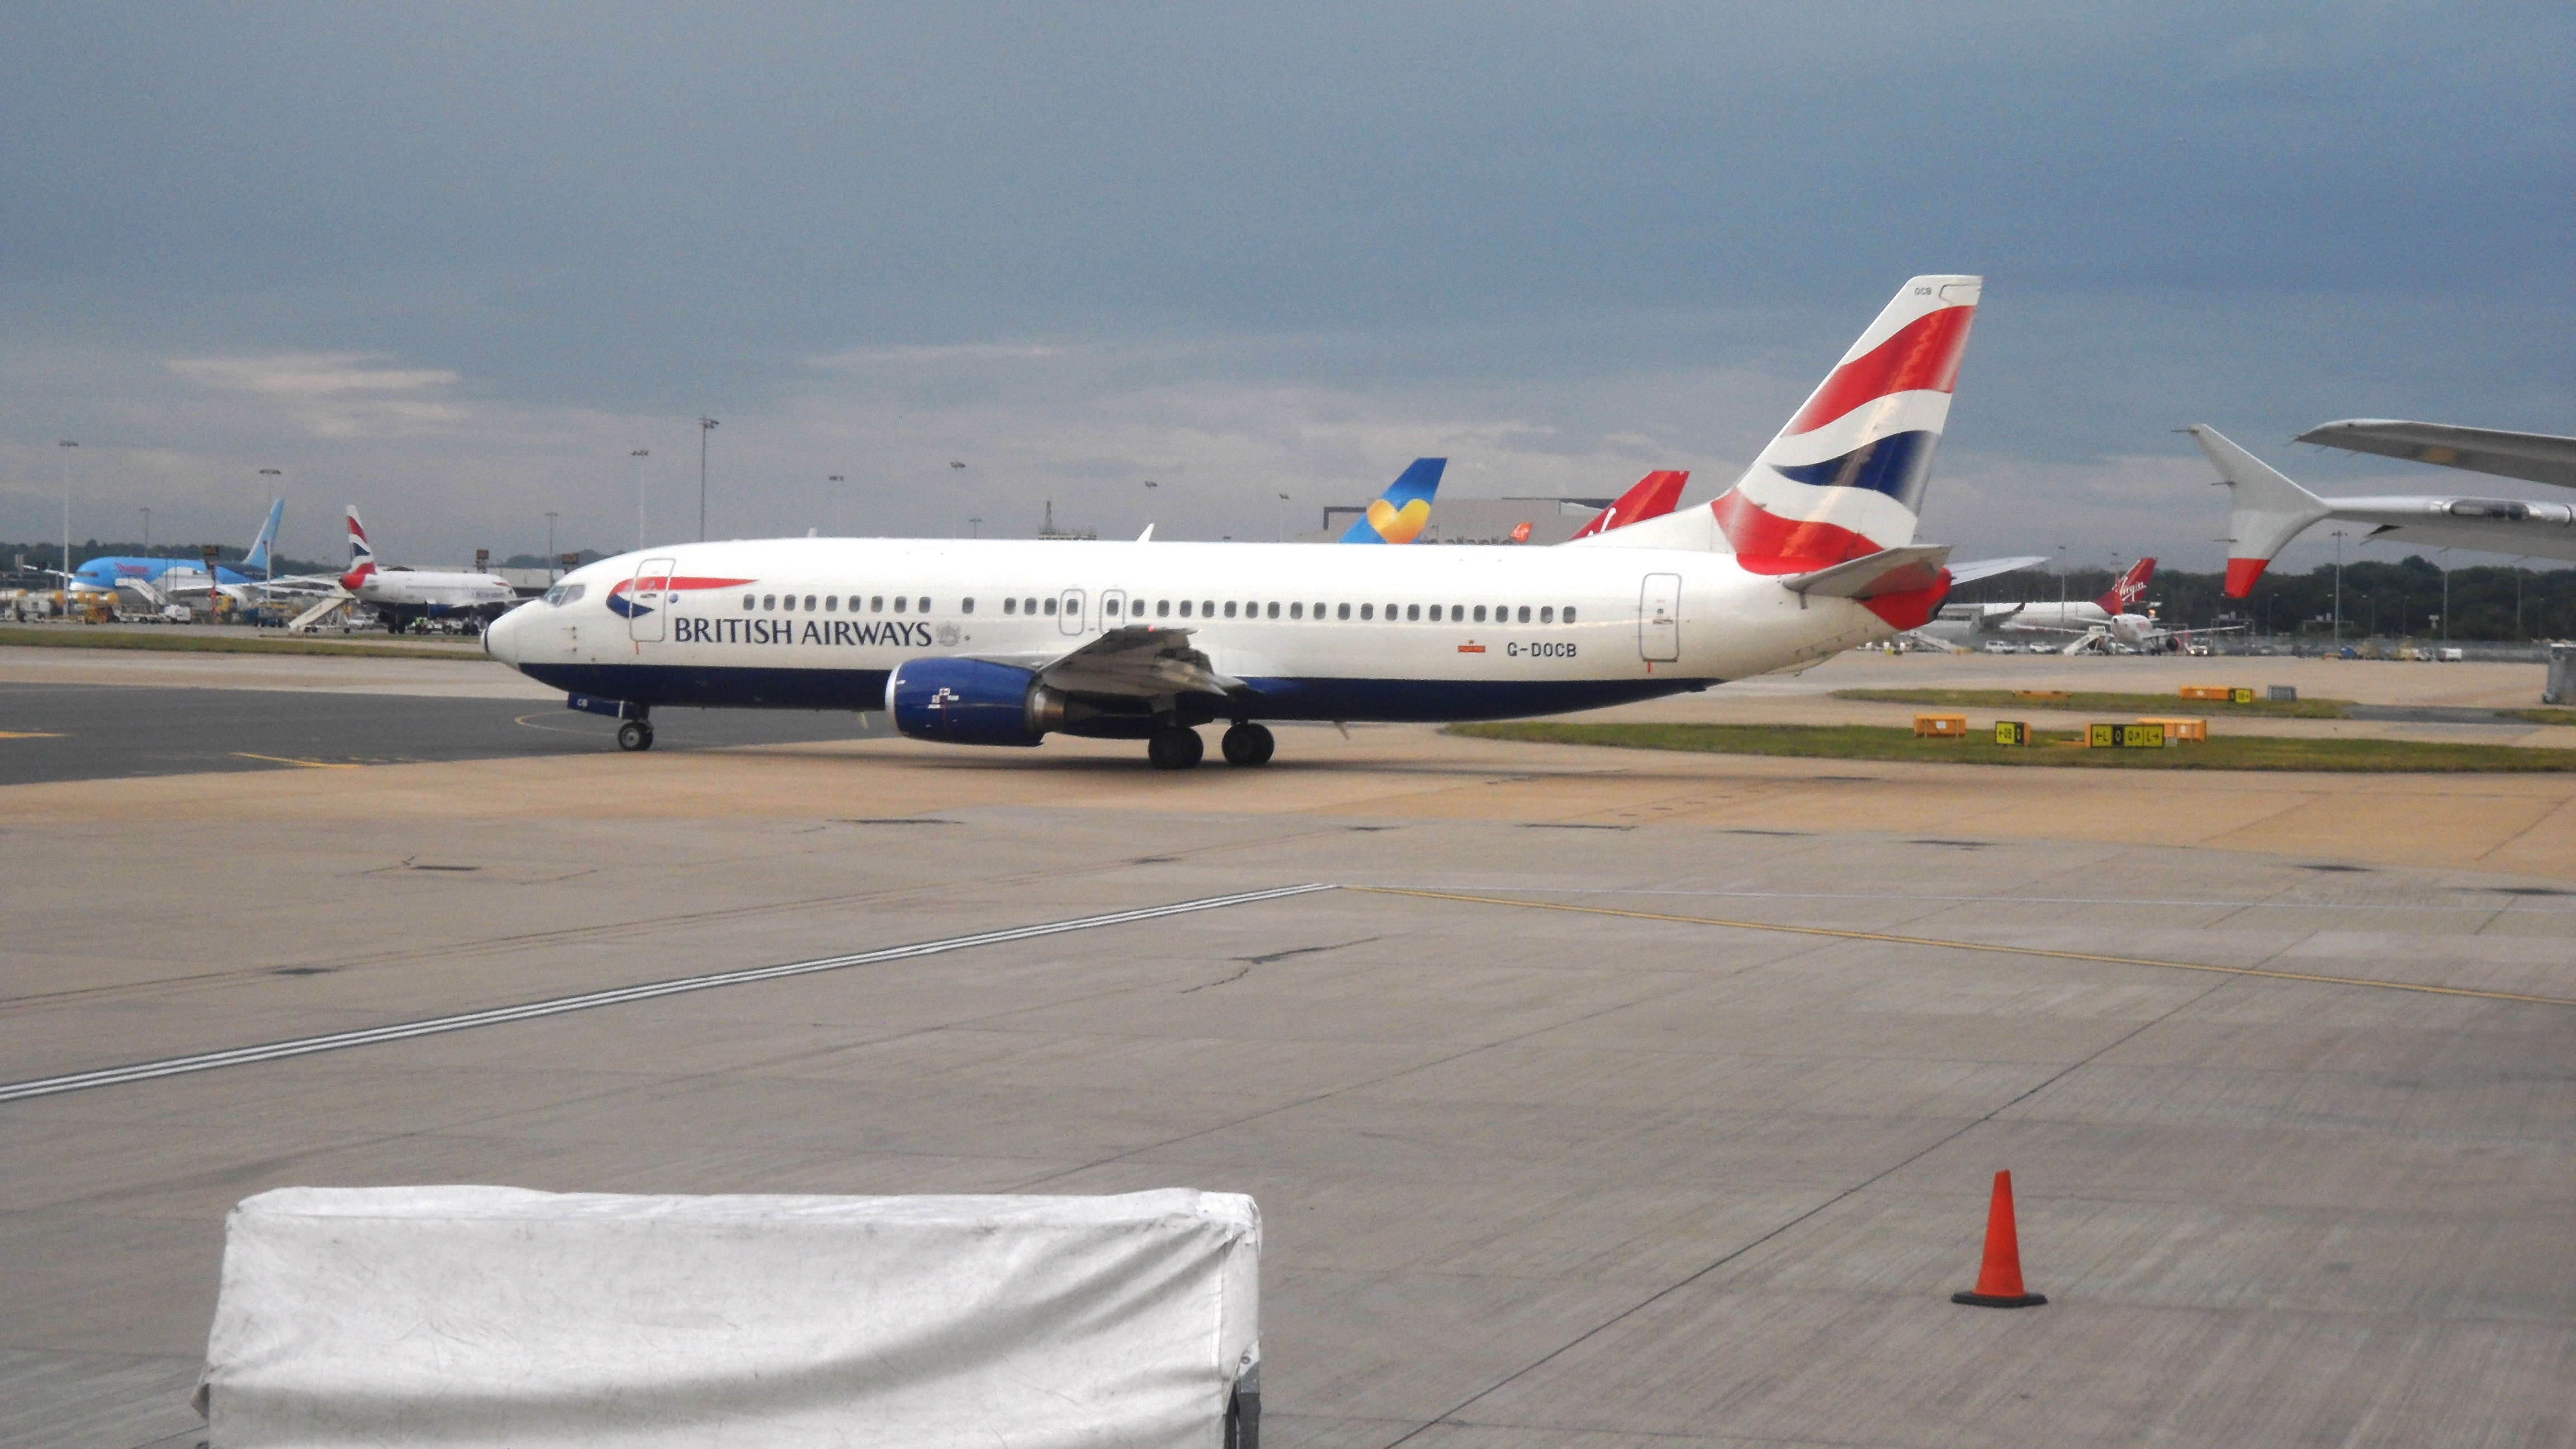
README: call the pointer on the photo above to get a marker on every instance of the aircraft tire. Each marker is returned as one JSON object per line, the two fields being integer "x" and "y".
{"x": 1248, "y": 744}
{"x": 635, "y": 734}
{"x": 1175, "y": 749}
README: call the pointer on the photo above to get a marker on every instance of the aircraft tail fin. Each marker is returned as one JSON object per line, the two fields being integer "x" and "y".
{"x": 258, "y": 557}
{"x": 1653, "y": 496}
{"x": 2123, "y": 595}
{"x": 2269, "y": 511}
{"x": 362, "y": 555}
{"x": 1401, "y": 513}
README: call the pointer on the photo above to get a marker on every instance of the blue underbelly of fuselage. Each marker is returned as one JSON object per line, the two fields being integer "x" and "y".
{"x": 1431, "y": 701}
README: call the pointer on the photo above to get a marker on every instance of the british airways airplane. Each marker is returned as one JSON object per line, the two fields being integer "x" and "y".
{"x": 1003, "y": 642}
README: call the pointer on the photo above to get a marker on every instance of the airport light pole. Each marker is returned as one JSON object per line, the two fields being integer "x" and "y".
{"x": 706, "y": 425}
{"x": 639, "y": 455}
{"x": 1283, "y": 518}
{"x": 2061, "y": 583}
{"x": 147, "y": 531}
{"x": 974, "y": 528}
{"x": 836, "y": 480}
{"x": 2446, "y": 602}
{"x": 550, "y": 547}
{"x": 68, "y": 445}
{"x": 2338, "y": 597}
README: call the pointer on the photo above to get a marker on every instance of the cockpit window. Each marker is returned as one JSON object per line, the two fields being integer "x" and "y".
{"x": 562, "y": 594}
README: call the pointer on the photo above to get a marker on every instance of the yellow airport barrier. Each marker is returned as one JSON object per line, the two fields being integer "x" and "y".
{"x": 2125, "y": 736}
{"x": 2180, "y": 731}
{"x": 2011, "y": 732}
{"x": 2217, "y": 691}
{"x": 1940, "y": 726}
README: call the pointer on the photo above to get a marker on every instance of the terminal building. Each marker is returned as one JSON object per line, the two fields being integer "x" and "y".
{"x": 1478, "y": 520}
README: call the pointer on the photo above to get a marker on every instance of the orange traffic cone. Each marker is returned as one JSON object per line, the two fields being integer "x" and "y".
{"x": 1999, "y": 1279}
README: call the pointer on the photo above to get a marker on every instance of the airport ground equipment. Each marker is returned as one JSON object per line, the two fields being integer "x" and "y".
{"x": 1999, "y": 1282}
{"x": 2141, "y": 736}
{"x": 502, "y": 1316}
{"x": 2282, "y": 693}
{"x": 2012, "y": 732}
{"x": 1940, "y": 726}
{"x": 2179, "y": 730}
{"x": 2217, "y": 692}
{"x": 2561, "y": 687}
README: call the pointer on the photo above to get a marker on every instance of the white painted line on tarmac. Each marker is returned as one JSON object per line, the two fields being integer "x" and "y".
{"x": 557, "y": 1006}
{"x": 2513, "y": 900}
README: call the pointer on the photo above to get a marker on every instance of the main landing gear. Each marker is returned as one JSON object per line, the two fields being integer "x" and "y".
{"x": 635, "y": 734}
{"x": 1175, "y": 748}
{"x": 1247, "y": 744}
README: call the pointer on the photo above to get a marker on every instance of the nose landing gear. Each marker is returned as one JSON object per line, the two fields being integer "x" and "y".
{"x": 1175, "y": 748}
{"x": 1247, "y": 744}
{"x": 635, "y": 734}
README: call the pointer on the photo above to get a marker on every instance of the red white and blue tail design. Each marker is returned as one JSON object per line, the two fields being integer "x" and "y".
{"x": 1846, "y": 477}
{"x": 362, "y": 558}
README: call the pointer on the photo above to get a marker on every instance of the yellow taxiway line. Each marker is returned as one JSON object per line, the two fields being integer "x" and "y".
{"x": 306, "y": 764}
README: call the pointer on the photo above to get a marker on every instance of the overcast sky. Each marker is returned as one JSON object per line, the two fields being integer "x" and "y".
{"x": 454, "y": 263}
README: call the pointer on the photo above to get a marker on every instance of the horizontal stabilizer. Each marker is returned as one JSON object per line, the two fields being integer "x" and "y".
{"x": 1888, "y": 571}
{"x": 2540, "y": 457}
{"x": 1986, "y": 568}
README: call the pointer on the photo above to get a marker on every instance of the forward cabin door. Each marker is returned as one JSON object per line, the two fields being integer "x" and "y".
{"x": 1659, "y": 618}
{"x": 648, "y": 600}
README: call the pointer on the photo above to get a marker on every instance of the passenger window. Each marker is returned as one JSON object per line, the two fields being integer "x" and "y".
{"x": 1569, "y": 613}
{"x": 831, "y": 603}
{"x": 1480, "y": 613}
{"x": 1368, "y": 611}
{"x": 1028, "y": 606}
{"x": 876, "y": 604}
{"x": 1296, "y": 611}
{"x": 809, "y": 603}
{"x": 1524, "y": 613}
{"x": 747, "y": 601}
{"x": 769, "y": 601}
{"x": 925, "y": 603}
{"x": 1162, "y": 608}
{"x": 1342, "y": 612}
{"x": 1050, "y": 608}
{"x": 899, "y": 602}
{"x": 1207, "y": 608}
{"x": 1547, "y": 614}
{"x": 966, "y": 606}
{"x": 1010, "y": 606}
{"x": 1411, "y": 612}
{"x": 1229, "y": 613}
{"x": 1319, "y": 611}
{"x": 1185, "y": 608}
{"x": 1274, "y": 611}
{"x": 1457, "y": 613}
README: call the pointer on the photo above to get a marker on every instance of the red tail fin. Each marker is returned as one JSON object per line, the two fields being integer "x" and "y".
{"x": 1653, "y": 497}
{"x": 2124, "y": 595}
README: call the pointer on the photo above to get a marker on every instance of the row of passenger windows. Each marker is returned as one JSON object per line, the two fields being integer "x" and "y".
{"x": 1197, "y": 608}
{"x": 831, "y": 602}
{"x": 1410, "y": 613}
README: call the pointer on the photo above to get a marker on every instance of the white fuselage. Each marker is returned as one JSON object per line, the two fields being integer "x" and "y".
{"x": 432, "y": 589}
{"x": 1315, "y": 632}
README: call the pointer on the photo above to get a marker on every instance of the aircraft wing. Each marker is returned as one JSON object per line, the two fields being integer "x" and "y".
{"x": 1135, "y": 661}
{"x": 2539, "y": 457}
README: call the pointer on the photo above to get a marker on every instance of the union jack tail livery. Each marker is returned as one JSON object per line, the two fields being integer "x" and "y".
{"x": 2124, "y": 595}
{"x": 1846, "y": 476}
{"x": 362, "y": 559}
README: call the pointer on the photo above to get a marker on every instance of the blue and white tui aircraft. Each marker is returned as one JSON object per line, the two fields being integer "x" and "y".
{"x": 1003, "y": 642}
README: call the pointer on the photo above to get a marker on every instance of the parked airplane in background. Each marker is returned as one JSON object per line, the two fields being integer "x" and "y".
{"x": 402, "y": 597}
{"x": 2270, "y": 510}
{"x": 1002, "y": 642}
{"x": 1653, "y": 496}
{"x": 2121, "y": 598}
{"x": 1400, "y": 513}
{"x": 2539, "y": 457}
{"x": 162, "y": 580}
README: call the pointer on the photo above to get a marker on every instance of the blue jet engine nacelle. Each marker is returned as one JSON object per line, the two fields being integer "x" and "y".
{"x": 970, "y": 702}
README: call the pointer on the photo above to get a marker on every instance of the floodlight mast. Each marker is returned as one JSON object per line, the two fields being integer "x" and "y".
{"x": 639, "y": 455}
{"x": 705, "y": 426}
{"x": 68, "y": 445}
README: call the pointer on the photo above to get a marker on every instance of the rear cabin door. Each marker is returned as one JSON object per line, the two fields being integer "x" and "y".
{"x": 1068, "y": 613}
{"x": 1659, "y": 617}
{"x": 648, "y": 601}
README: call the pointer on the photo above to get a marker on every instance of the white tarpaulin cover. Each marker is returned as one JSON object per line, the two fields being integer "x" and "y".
{"x": 488, "y": 1315}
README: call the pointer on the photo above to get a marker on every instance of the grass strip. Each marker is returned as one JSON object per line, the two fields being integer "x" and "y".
{"x": 1878, "y": 742}
{"x": 178, "y": 640}
{"x": 2541, "y": 716}
{"x": 2092, "y": 702}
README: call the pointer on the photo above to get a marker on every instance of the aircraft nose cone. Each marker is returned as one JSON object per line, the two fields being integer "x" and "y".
{"x": 501, "y": 638}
